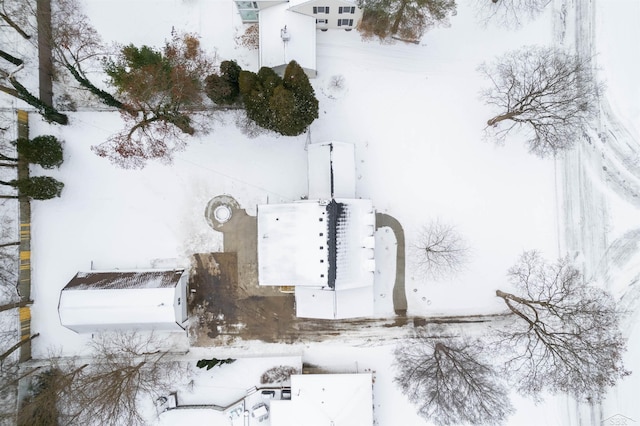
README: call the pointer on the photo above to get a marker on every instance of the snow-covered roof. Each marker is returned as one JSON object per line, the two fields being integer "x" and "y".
{"x": 326, "y": 400}
{"x": 334, "y": 304}
{"x": 332, "y": 170}
{"x": 316, "y": 243}
{"x": 301, "y": 44}
{"x": 110, "y": 300}
{"x": 323, "y": 248}
{"x": 94, "y": 280}
{"x": 292, "y": 244}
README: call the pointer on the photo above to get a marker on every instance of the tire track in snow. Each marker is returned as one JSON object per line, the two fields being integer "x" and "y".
{"x": 607, "y": 160}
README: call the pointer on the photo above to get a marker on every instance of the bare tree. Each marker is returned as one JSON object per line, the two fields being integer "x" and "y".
{"x": 141, "y": 141}
{"x": 439, "y": 250}
{"x": 450, "y": 382}
{"x": 78, "y": 49}
{"x": 549, "y": 94}
{"x": 47, "y": 388}
{"x": 509, "y": 13}
{"x": 565, "y": 335}
{"x": 10, "y": 371}
{"x": 406, "y": 20}
{"x": 9, "y": 252}
{"x": 18, "y": 15}
{"x": 126, "y": 367}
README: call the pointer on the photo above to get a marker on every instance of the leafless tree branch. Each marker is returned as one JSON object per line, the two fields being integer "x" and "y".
{"x": 547, "y": 93}
{"x": 509, "y": 13}
{"x": 439, "y": 250}
{"x": 450, "y": 382}
{"x": 565, "y": 336}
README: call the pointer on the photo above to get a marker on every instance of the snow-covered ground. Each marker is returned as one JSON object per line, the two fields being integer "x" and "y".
{"x": 413, "y": 113}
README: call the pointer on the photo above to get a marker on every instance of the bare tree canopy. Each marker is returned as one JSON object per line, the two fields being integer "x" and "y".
{"x": 19, "y": 14}
{"x": 439, "y": 250}
{"x": 549, "y": 94}
{"x": 77, "y": 48}
{"x": 509, "y": 13}
{"x": 404, "y": 19}
{"x": 449, "y": 381}
{"x": 565, "y": 336}
{"x": 125, "y": 367}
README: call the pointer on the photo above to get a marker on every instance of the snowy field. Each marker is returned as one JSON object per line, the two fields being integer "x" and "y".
{"x": 413, "y": 113}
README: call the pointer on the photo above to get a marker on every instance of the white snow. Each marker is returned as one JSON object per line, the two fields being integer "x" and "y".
{"x": 413, "y": 114}
{"x": 326, "y": 399}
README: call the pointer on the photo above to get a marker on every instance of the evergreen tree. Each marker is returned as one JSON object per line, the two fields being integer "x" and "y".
{"x": 306, "y": 104}
{"x": 36, "y": 188}
{"x": 43, "y": 150}
{"x": 287, "y": 106}
{"x": 224, "y": 88}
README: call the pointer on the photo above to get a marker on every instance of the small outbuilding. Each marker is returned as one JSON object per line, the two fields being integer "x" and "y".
{"x": 125, "y": 300}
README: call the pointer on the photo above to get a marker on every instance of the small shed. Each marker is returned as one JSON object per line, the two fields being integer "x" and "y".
{"x": 125, "y": 300}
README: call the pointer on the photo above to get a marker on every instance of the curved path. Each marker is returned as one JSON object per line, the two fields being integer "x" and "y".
{"x": 399, "y": 294}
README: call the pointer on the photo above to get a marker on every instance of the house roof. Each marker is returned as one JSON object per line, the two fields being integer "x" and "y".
{"x": 332, "y": 170}
{"x": 334, "y": 304}
{"x": 102, "y": 280}
{"x": 301, "y": 46}
{"x": 326, "y": 400}
{"x": 316, "y": 243}
{"x": 323, "y": 248}
{"x": 97, "y": 301}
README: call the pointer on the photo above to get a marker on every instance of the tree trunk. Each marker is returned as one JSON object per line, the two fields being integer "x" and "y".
{"x": 43, "y": 16}
{"x": 9, "y": 57}
{"x": 15, "y": 26}
{"x": 510, "y": 296}
{"x": 47, "y": 111}
{"x": 14, "y": 305}
{"x": 15, "y": 347}
{"x": 5, "y": 158}
{"x": 507, "y": 297}
{"x": 17, "y": 379}
{"x": 399, "y": 15}
{"x": 498, "y": 118}
{"x": 105, "y": 97}
{"x": 10, "y": 91}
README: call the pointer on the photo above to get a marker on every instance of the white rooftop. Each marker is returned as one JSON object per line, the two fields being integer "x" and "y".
{"x": 292, "y": 244}
{"x": 301, "y": 45}
{"x": 332, "y": 170}
{"x": 326, "y": 400}
{"x": 98, "y": 301}
{"x": 324, "y": 249}
{"x": 316, "y": 243}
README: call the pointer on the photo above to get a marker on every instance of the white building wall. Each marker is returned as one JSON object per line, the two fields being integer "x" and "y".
{"x": 338, "y": 9}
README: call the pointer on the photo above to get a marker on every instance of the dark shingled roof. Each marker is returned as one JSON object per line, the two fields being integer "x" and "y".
{"x": 335, "y": 222}
{"x": 124, "y": 280}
